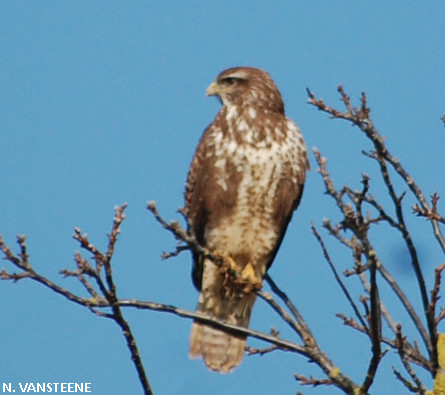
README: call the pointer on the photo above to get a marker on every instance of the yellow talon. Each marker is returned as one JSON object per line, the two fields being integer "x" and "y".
{"x": 249, "y": 278}
{"x": 232, "y": 263}
{"x": 248, "y": 273}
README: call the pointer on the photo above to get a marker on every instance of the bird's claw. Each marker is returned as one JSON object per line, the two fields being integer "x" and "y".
{"x": 245, "y": 279}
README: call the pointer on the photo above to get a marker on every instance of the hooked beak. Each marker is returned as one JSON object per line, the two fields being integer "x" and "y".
{"x": 213, "y": 89}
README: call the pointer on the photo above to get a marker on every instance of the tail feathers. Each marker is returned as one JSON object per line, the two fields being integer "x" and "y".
{"x": 221, "y": 352}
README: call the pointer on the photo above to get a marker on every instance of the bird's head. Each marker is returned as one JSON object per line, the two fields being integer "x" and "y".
{"x": 246, "y": 86}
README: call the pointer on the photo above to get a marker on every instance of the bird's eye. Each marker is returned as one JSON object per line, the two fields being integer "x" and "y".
{"x": 230, "y": 80}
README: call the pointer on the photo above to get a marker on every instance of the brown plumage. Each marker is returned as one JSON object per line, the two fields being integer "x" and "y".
{"x": 244, "y": 183}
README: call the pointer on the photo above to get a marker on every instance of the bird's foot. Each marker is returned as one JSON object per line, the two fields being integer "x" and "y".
{"x": 228, "y": 268}
{"x": 248, "y": 279}
{"x": 225, "y": 262}
{"x": 244, "y": 280}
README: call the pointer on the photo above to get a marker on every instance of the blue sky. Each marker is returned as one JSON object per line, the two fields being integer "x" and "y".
{"x": 103, "y": 103}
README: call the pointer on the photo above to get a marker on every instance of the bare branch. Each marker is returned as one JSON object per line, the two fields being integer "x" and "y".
{"x": 147, "y": 305}
{"x": 413, "y": 353}
{"x": 360, "y": 118}
{"x": 411, "y": 387}
{"x": 30, "y": 273}
{"x": 261, "y": 351}
{"x": 374, "y": 326}
{"x": 399, "y": 342}
{"x": 311, "y": 381}
{"x": 357, "y": 248}
{"x": 435, "y": 292}
{"x": 430, "y": 213}
{"x": 108, "y": 299}
{"x": 337, "y": 277}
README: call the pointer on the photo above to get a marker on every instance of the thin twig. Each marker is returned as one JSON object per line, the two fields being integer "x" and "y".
{"x": 292, "y": 308}
{"x": 400, "y": 340}
{"x": 435, "y": 292}
{"x": 303, "y": 380}
{"x": 410, "y": 386}
{"x": 360, "y": 117}
{"x": 338, "y": 278}
{"x": 109, "y": 297}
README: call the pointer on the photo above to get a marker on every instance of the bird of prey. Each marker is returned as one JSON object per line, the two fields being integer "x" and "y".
{"x": 244, "y": 183}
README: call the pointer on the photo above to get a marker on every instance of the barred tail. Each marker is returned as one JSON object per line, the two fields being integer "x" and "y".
{"x": 221, "y": 351}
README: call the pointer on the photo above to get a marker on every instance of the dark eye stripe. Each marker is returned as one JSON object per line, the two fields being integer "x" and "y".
{"x": 231, "y": 80}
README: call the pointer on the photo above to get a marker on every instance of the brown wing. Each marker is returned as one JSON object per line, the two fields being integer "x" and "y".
{"x": 288, "y": 196}
{"x": 206, "y": 201}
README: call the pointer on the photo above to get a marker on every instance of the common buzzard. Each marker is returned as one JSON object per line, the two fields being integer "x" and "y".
{"x": 244, "y": 183}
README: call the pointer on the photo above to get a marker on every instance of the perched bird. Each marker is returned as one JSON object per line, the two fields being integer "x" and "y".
{"x": 244, "y": 183}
